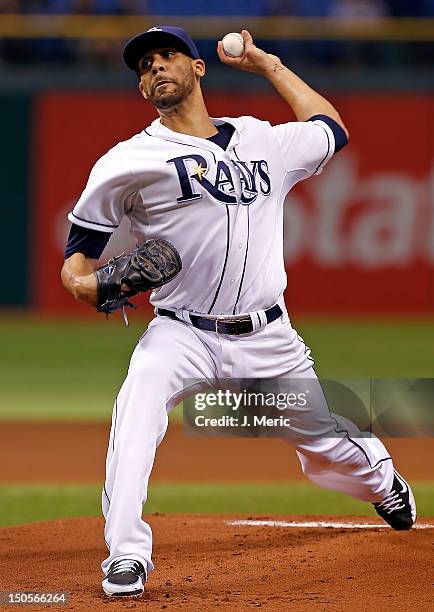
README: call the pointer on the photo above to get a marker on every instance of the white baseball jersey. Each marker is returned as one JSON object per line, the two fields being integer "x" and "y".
{"x": 221, "y": 209}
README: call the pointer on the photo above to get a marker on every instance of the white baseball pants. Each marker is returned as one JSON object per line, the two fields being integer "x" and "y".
{"x": 171, "y": 351}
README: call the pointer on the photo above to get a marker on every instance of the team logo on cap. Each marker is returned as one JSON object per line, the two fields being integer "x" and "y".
{"x": 155, "y": 30}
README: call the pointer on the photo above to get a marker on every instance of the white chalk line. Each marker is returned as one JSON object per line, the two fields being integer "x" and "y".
{"x": 320, "y": 524}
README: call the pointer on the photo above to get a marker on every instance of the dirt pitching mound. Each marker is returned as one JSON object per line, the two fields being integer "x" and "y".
{"x": 206, "y": 563}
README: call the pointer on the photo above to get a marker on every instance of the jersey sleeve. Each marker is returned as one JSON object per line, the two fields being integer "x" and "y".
{"x": 109, "y": 194}
{"x": 306, "y": 146}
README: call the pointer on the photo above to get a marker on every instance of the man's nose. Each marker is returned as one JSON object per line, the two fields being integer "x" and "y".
{"x": 157, "y": 65}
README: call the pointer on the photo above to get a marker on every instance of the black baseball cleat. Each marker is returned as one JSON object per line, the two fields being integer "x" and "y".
{"x": 398, "y": 508}
{"x": 125, "y": 578}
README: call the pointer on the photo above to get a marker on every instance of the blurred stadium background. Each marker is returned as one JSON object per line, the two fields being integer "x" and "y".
{"x": 359, "y": 239}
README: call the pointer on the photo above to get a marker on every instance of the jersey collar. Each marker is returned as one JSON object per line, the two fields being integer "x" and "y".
{"x": 160, "y": 131}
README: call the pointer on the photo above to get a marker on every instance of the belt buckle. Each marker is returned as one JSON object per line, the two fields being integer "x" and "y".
{"x": 236, "y": 323}
{"x": 222, "y": 322}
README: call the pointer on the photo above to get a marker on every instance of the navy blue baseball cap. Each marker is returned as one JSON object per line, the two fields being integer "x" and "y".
{"x": 160, "y": 36}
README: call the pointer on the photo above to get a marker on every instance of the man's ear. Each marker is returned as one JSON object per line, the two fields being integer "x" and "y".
{"x": 199, "y": 67}
{"x": 142, "y": 91}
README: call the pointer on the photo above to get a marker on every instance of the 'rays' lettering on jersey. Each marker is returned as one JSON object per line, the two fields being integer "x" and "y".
{"x": 192, "y": 170}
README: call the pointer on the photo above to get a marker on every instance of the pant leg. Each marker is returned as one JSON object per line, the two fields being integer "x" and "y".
{"x": 331, "y": 450}
{"x": 165, "y": 355}
{"x": 342, "y": 459}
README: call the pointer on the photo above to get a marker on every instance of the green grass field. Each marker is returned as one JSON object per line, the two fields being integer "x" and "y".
{"x": 29, "y": 503}
{"x": 72, "y": 370}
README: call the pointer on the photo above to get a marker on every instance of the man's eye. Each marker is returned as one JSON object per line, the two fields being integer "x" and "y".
{"x": 170, "y": 53}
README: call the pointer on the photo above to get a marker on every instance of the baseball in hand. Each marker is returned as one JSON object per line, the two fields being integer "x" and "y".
{"x": 233, "y": 44}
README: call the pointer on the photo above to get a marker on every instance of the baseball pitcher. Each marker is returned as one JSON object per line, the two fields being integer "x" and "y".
{"x": 205, "y": 199}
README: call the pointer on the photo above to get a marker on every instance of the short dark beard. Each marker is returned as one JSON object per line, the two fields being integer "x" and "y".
{"x": 169, "y": 101}
{"x": 183, "y": 90}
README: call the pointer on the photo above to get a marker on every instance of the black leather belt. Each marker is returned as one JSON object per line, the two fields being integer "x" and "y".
{"x": 233, "y": 326}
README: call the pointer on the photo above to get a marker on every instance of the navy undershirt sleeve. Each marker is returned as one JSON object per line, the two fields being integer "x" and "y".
{"x": 87, "y": 241}
{"x": 340, "y": 137}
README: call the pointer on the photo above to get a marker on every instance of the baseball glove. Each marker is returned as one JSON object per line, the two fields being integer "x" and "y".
{"x": 153, "y": 264}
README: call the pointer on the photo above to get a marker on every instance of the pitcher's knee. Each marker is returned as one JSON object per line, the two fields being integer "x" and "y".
{"x": 150, "y": 378}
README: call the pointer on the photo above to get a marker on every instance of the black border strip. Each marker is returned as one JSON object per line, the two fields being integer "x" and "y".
{"x": 184, "y": 144}
{"x": 106, "y": 494}
{"x": 245, "y": 259}
{"x": 328, "y": 149}
{"x": 93, "y": 222}
{"x": 346, "y": 432}
{"x": 226, "y": 259}
{"x": 347, "y": 435}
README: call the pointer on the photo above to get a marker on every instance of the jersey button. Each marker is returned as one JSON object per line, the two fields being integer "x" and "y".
{"x": 240, "y": 246}
{"x": 232, "y": 281}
